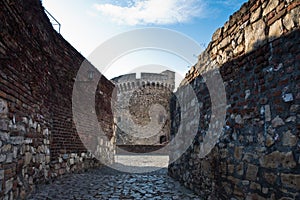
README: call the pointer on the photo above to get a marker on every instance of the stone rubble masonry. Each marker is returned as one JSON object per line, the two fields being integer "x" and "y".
{"x": 38, "y": 136}
{"x": 257, "y": 156}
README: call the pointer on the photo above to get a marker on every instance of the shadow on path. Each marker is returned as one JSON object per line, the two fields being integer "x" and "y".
{"x": 110, "y": 184}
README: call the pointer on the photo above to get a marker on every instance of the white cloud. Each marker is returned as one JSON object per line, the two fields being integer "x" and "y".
{"x": 234, "y": 4}
{"x": 159, "y": 12}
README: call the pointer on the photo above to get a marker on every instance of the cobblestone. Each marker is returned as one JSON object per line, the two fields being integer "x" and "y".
{"x": 106, "y": 183}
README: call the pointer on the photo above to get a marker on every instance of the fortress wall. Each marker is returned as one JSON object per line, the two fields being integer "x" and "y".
{"x": 135, "y": 97}
{"x": 38, "y": 68}
{"x": 257, "y": 156}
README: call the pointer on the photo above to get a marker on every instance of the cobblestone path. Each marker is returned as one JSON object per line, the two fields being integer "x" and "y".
{"x": 110, "y": 184}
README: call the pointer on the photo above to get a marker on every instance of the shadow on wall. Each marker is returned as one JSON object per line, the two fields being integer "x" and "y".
{"x": 38, "y": 68}
{"x": 258, "y": 153}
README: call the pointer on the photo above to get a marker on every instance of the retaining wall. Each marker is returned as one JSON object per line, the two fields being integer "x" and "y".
{"x": 258, "y": 153}
{"x": 39, "y": 140}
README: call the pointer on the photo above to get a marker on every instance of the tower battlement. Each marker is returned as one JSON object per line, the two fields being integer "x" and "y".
{"x": 129, "y": 82}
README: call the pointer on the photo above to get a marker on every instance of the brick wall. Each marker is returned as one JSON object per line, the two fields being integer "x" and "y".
{"x": 258, "y": 153}
{"x": 38, "y": 135}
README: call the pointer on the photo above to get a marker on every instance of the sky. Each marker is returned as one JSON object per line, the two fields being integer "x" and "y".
{"x": 87, "y": 24}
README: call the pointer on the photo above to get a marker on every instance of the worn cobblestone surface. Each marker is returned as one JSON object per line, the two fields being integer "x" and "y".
{"x": 106, "y": 183}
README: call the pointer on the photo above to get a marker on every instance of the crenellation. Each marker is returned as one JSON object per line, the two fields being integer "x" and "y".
{"x": 129, "y": 82}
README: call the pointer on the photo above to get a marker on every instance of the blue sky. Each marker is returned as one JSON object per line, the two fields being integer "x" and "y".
{"x": 86, "y": 24}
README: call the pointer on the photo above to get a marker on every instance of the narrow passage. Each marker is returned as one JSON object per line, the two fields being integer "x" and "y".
{"x": 110, "y": 184}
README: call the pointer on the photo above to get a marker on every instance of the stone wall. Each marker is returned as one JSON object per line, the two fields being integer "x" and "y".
{"x": 130, "y": 81}
{"x": 258, "y": 153}
{"x": 143, "y": 105}
{"x": 38, "y": 68}
{"x": 144, "y": 149}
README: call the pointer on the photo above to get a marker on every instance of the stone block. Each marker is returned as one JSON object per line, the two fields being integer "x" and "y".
{"x": 57, "y": 166}
{"x": 17, "y": 140}
{"x": 28, "y": 141}
{"x": 276, "y": 158}
{"x": 255, "y": 15}
{"x": 251, "y": 173}
{"x": 289, "y": 139}
{"x": 255, "y": 35}
{"x": 238, "y": 50}
{"x": 231, "y": 169}
{"x": 23, "y": 194}
{"x": 239, "y": 119}
{"x": 2, "y": 158}
{"x": 238, "y": 153}
{"x": 270, "y": 177}
{"x": 270, "y": 6}
{"x": 21, "y": 128}
{"x": 276, "y": 30}
{"x": 217, "y": 34}
{"x": 294, "y": 108}
{"x": 6, "y": 148}
{"x": 240, "y": 169}
{"x": 245, "y": 182}
{"x": 291, "y": 181}
{"x": 28, "y": 157}
{"x": 71, "y": 161}
{"x": 3, "y": 108}
{"x": 288, "y": 160}
{"x": 9, "y": 157}
{"x": 225, "y": 42}
{"x": 238, "y": 191}
{"x": 255, "y": 186}
{"x": 288, "y": 22}
{"x": 46, "y": 131}
{"x": 295, "y": 14}
{"x": 38, "y": 129}
{"x": 42, "y": 158}
{"x": 15, "y": 152}
{"x": 1, "y": 174}
{"x": 291, "y": 119}
{"x": 265, "y": 190}
{"x": 8, "y": 185}
{"x": 30, "y": 180}
{"x": 269, "y": 141}
{"x": 234, "y": 180}
{"x": 3, "y": 125}
{"x": 277, "y": 121}
{"x": 267, "y": 113}
{"x": 227, "y": 187}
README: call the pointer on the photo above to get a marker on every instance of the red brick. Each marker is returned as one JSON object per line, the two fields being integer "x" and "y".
{"x": 276, "y": 17}
{"x": 271, "y": 15}
{"x": 293, "y": 5}
{"x": 283, "y": 82}
{"x": 246, "y": 17}
{"x": 255, "y": 6}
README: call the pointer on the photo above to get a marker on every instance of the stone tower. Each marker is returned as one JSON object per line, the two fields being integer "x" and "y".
{"x": 142, "y": 108}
